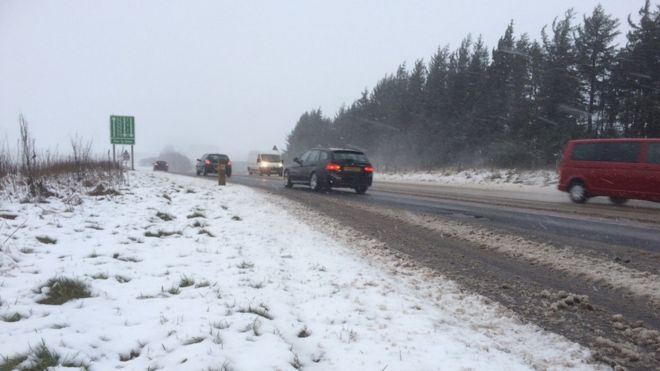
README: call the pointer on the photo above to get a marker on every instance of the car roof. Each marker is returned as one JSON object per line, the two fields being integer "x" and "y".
{"x": 335, "y": 149}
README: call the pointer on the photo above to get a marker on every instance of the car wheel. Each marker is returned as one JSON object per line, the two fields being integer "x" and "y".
{"x": 205, "y": 172}
{"x": 287, "y": 180}
{"x": 314, "y": 183}
{"x": 578, "y": 193}
{"x": 197, "y": 172}
{"x": 618, "y": 200}
{"x": 361, "y": 190}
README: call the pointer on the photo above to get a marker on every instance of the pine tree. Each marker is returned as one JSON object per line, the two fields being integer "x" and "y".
{"x": 595, "y": 57}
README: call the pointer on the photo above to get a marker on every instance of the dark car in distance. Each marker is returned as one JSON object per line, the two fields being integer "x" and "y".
{"x": 325, "y": 168}
{"x": 208, "y": 164}
{"x": 161, "y": 165}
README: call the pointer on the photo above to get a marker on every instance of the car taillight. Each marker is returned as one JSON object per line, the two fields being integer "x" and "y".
{"x": 368, "y": 169}
{"x": 332, "y": 167}
{"x": 208, "y": 162}
{"x": 229, "y": 163}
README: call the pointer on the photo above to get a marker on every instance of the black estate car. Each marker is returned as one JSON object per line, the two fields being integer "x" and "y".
{"x": 324, "y": 168}
{"x": 161, "y": 165}
{"x": 208, "y": 164}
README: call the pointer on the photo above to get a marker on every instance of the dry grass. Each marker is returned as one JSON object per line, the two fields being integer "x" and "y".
{"x": 62, "y": 290}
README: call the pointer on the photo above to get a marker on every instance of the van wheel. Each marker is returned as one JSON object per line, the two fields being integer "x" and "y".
{"x": 578, "y": 193}
{"x": 618, "y": 200}
{"x": 197, "y": 172}
{"x": 314, "y": 183}
{"x": 287, "y": 180}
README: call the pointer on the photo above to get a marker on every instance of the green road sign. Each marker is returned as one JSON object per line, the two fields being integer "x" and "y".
{"x": 122, "y": 130}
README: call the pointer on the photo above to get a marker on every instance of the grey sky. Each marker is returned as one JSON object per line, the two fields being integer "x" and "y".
{"x": 231, "y": 75}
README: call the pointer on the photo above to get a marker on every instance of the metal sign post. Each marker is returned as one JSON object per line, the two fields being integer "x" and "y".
{"x": 122, "y": 131}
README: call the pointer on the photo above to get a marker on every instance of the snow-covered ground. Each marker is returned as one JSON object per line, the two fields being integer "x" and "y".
{"x": 510, "y": 178}
{"x": 235, "y": 281}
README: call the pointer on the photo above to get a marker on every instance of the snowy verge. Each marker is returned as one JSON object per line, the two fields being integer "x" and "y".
{"x": 502, "y": 178}
{"x": 186, "y": 275}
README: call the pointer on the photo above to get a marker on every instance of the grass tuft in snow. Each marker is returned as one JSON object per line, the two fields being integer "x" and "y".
{"x": 62, "y": 289}
{"x": 261, "y": 311}
{"x": 165, "y": 216}
{"x": 39, "y": 358}
{"x": 126, "y": 258}
{"x": 206, "y": 232}
{"x": 46, "y": 240}
{"x": 186, "y": 281}
{"x": 12, "y": 363}
{"x": 203, "y": 283}
{"x": 245, "y": 265}
{"x": 12, "y": 318}
{"x": 194, "y": 340}
{"x": 196, "y": 214}
{"x": 134, "y": 353}
{"x": 27, "y": 250}
{"x": 101, "y": 190}
{"x": 8, "y": 216}
{"x": 161, "y": 233}
{"x": 304, "y": 332}
{"x": 100, "y": 276}
{"x": 236, "y": 218}
{"x": 220, "y": 325}
{"x": 296, "y": 363}
{"x": 122, "y": 279}
{"x": 174, "y": 290}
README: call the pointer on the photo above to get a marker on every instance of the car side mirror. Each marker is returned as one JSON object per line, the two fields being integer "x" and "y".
{"x": 198, "y": 160}
{"x": 297, "y": 160}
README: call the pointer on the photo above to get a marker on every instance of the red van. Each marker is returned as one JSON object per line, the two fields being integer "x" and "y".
{"x": 620, "y": 169}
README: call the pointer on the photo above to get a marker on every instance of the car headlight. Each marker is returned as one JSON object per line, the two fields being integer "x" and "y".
{"x": 264, "y": 164}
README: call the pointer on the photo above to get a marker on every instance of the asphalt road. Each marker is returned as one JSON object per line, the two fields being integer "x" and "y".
{"x": 628, "y": 235}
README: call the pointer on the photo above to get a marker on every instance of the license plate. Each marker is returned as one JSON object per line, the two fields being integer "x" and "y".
{"x": 352, "y": 169}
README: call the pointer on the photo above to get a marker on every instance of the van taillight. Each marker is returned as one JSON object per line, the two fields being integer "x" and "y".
{"x": 368, "y": 169}
{"x": 208, "y": 162}
{"x": 332, "y": 167}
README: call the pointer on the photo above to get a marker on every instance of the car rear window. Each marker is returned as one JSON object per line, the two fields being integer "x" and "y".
{"x": 654, "y": 153}
{"x": 271, "y": 158}
{"x": 218, "y": 157}
{"x": 350, "y": 155}
{"x": 609, "y": 152}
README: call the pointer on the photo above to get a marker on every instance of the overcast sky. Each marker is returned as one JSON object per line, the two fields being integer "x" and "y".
{"x": 231, "y": 75}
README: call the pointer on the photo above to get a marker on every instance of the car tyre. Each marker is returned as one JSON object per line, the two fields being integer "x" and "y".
{"x": 287, "y": 180}
{"x": 314, "y": 183}
{"x": 361, "y": 190}
{"x": 197, "y": 172}
{"x": 205, "y": 172}
{"x": 578, "y": 192}
{"x": 618, "y": 200}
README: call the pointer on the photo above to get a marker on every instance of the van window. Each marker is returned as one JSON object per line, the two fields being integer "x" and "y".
{"x": 587, "y": 152}
{"x": 654, "y": 153}
{"x": 610, "y": 152}
{"x": 622, "y": 152}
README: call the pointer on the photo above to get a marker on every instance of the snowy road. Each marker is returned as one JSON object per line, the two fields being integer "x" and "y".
{"x": 534, "y": 260}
